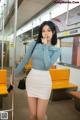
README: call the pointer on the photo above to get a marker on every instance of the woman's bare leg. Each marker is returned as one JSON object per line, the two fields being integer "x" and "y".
{"x": 41, "y": 109}
{"x": 32, "y": 105}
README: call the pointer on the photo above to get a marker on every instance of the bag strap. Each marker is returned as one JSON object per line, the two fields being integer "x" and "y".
{"x": 34, "y": 47}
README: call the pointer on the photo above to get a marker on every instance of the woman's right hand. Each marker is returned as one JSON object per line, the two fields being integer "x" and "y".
{"x": 10, "y": 88}
{"x": 44, "y": 40}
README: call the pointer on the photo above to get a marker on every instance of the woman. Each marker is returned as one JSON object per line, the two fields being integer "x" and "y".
{"x": 38, "y": 83}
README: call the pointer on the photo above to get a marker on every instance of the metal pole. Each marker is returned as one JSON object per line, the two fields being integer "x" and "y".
{"x": 14, "y": 57}
{"x": 67, "y": 15}
{"x": 50, "y": 15}
{"x": 32, "y": 31}
{"x": 15, "y": 27}
{"x": 40, "y": 20}
{"x": 2, "y": 38}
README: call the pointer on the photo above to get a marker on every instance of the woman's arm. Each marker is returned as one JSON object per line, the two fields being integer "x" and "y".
{"x": 26, "y": 58}
{"x": 49, "y": 60}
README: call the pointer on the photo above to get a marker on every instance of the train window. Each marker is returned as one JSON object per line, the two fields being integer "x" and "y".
{"x": 70, "y": 51}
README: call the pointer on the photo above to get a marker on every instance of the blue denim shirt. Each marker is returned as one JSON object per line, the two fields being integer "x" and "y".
{"x": 42, "y": 57}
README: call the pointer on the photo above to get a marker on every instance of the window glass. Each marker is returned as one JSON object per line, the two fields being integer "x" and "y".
{"x": 70, "y": 51}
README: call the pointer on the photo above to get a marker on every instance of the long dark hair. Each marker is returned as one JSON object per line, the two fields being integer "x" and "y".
{"x": 52, "y": 27}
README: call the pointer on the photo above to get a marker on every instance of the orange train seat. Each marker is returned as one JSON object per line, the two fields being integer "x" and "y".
{"x": 60, "y": 79}
{"x": 3, "y": 91}
{"x": 3, "y": 82}
{"x": 61, "y": 85}
{"x": 29, "y": 66}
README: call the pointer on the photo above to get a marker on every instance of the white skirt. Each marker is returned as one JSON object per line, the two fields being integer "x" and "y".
{"x": 39, "y": 84}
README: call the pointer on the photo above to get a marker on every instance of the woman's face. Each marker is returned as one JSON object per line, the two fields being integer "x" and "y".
{"x": 47, "y": 33}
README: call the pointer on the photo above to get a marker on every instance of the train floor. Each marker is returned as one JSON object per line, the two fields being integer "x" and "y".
{"x": 57, "y": 110}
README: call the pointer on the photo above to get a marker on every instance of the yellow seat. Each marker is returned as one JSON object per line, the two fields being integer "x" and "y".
{"x": 3, "y": 82}
{"x": 53, "y": 67}
{"x": 63, "y": 85}
{"x": 28, "y": 66}
{"x": 60, "y": 79}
